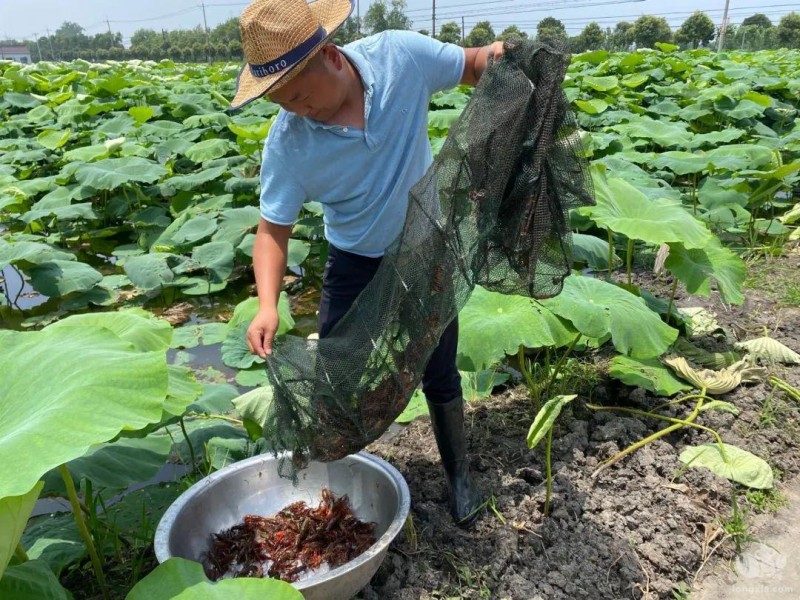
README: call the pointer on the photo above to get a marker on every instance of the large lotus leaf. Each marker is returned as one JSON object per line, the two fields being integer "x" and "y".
{"x": 234, "y": 349}
{"x": 649, "y": 374}
{"x": 440, "y": 121}
{"x": 771, "y": 350}
{"x": 115, "y": 466}
{"x": 682, "y": 163}
{"x": 216, "y": 258}
{"x": 545, "y": 418}
{"x": 188, "y": 183}
{"x": 736, "y": 464}
{"x": 55, "y": 540}
{"x": 593, "y": 251}
{"x": 659, "y": 132}
{"x": 255, "y": 131}
{"x": 597, "y": 308}
{"x": 149, "y": 271}
{"x": 451, "y": 99}
{"x": 182, "y": 389}
{"x": 234, "y": 223}
{"x": 297, "y": 252}
{"x": 32, "y": 580}
{"x": 697, "y": 266}
{"x": 53, "y": 139}
{"x": 96, "y": 384}
{"x": 592, "y": 107}
{"x": 87, "y": 153}
{"x": 181, "y": 579}
{"x": 208, "y": 150}
{"x": 624, "y": 209}
{"x": 33, "y": 252}
{"x": 255, "y": 405}
{"x": 111, "y": 173}
{"x": 63, "y": 213}
{"x": 492, "y": 325}
{"x": 14, "y": 513}
{"x": 20, "y": 100}
{"x": 58, "y": 278}
{"x": 716, "y": 382}
{"x": 715, "y": 138}
{"x": 601, "y": 84}
{"x": 136, "y": 326}
{"x": 195, "y": 229}
{"x": 736, "y": 157}
{"x": 216, "y": 399}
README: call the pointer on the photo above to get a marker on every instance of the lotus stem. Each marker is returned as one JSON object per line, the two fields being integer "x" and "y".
{"x": 658, "y": 434}
{"x": 72, "y": 494}
{"x": 790, "y": 390}
{"x": 561, "y": 360}
{"x": 549, "y": 484}
{"x": 694, "y": 194}
{"x": 629, "y": 259}
{"x": 20, "y": 553}
{"x": 672, "y": 297}
{"x": 610, "y": 252}
{"x": 189, "y": 443}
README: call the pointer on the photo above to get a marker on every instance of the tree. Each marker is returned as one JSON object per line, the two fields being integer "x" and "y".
{"x": 551, "y": 32}
{"x": 481, "y": 35}
{"x": 789, "y": 31}
{"x": 622, "y": 36}
{"x": 697, "y": 30}
{"x": 424, "y": 32}
{"x": 757, "y": 20}
{"x": 347, "y": 33}
{"x": 512, "y": 32}
{"x": 591, "y": 38}
{"x": 397, "y": 19}
{"x": 69, "y": 29}
{"x": 450, "y": 32}
{"x": 648, "y": 30}
{"x": 376, "y": 19}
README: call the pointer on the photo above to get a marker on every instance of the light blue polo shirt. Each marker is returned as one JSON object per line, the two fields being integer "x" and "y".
{"x": 362, "y": 176}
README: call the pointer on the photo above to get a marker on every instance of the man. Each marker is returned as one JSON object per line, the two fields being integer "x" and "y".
{"x": 352, "y": 135}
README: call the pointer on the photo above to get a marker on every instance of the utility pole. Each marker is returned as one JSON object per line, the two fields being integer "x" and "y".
{"x": 723, "y": 28}
{"x": 463, "y": 33}
{"x": 205, "y": 24}
{"x": 38, "y": 46}
{"x": 433, "y": 20}
{"x": 109, "y": 26}
{"x": 50, "y": 39}
{"x": 358, "y": 19}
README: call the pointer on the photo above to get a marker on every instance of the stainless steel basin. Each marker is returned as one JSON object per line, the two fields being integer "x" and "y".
{"x": 377, "y": 493}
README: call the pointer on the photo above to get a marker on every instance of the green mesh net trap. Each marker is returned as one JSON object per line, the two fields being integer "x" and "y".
{"x": 492, "y": 210}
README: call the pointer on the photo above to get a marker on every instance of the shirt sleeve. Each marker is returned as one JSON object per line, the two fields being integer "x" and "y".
{"x": 441, "y": 64}
{"x": 282, "y": 196}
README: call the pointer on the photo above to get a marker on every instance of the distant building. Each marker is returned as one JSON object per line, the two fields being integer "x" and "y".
{"x": 17, "y": 53}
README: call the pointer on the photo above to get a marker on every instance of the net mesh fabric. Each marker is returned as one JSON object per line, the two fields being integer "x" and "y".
{"x": 492, "y": 210}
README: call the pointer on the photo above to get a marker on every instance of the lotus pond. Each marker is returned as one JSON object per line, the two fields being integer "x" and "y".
{"x": 128, "y": 202}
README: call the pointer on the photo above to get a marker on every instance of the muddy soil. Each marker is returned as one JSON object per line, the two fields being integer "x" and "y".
{"x": 641, "y": 529}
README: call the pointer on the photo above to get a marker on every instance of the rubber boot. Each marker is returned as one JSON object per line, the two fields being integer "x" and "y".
{"x": 448, "y": 428}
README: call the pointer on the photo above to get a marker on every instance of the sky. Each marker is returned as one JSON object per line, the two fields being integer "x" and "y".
{"x": 23, "y": 19}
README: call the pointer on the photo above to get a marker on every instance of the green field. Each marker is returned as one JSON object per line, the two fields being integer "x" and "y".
{"x": 130, "y": 186}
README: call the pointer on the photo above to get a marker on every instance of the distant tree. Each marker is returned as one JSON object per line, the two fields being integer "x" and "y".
{"x": 227, "y": 31}
{"x": 647, "y": 30}
{"x": 591, "y": 38}
{"x": 424, "y": 32}
{"x": 481, "y": 35}
{"x": 376, "y": 19}
{"x": 622, "y": 36}
{"x": 69, "y": 29}
{"x": 697, "y": 30}
{"x": 397, "y": 19}
{"x": 450, "y": 32}
{"x": 789, "y": 31}
{"x": 347, "y": 33}
{"x": 512, "y": 32}
{"x": 757, "y": 20}
{"x": 551, "y": 31}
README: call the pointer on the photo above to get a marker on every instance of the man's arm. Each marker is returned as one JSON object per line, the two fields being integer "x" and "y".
{"x": 476, "y": 60}
{"x": 269, "y": 265}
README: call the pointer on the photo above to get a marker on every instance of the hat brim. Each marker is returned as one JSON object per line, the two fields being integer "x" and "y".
{"x": 331, "y": 15}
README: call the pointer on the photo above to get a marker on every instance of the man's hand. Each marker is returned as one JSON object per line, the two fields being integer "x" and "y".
{"x": 261, "y": 332}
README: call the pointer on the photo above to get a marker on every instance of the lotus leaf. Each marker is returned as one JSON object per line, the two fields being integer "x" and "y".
{"x": 32, "y": 580}
{"x": 716, "y": 382}
{"x": 513, "y": 321}
{"x": 597, "y": 309}
{"x": 58, "y": 278}
{"x": 181, "y": 579}
{"x": 649, "y": 374}
{"x": 697, "y": 266}
{"x": 736, "y": 464}
{"x": 545, "y": 418}
{"x": 208, "y": 150}
{"x": 97, "y": 385}
{"x": 14, "y": 513}
{"x": 771, "y": 350}
{"x": 110, "y": 173}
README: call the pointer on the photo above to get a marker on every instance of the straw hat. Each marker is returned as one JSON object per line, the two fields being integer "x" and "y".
{"x": 279, "y": 37}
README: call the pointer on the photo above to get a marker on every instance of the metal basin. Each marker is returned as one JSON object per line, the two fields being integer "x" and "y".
{"x": 377, "y": 493}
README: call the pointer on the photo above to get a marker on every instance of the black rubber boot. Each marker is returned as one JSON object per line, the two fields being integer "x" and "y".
{"x": 448, "y": 428}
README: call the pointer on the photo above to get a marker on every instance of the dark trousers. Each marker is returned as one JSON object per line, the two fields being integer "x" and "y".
{"x": 346, "y": 274}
